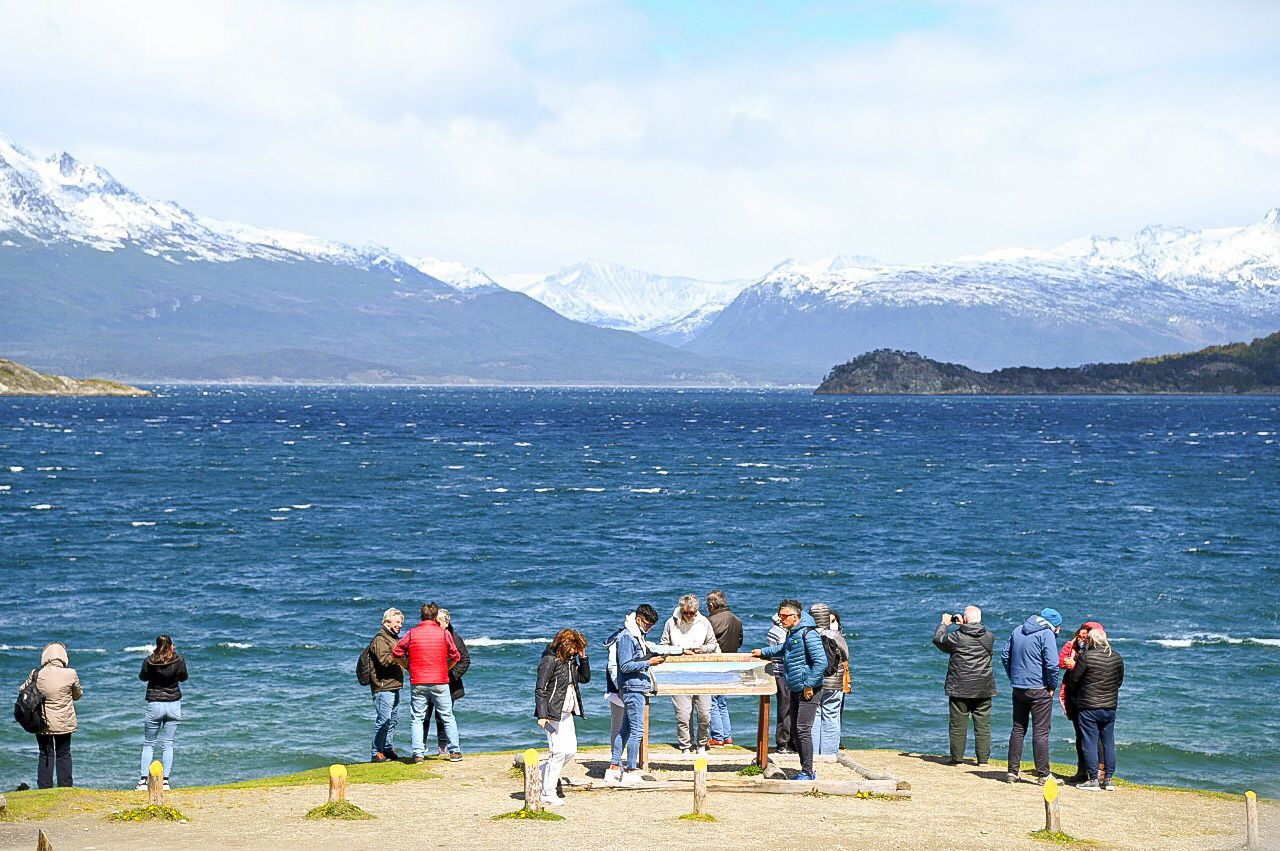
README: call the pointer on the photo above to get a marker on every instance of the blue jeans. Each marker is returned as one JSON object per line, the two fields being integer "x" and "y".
{"x": 1095, "y": 725}
{"x": 632, "y": 730}
{"x": 386, "y": 712}
{"x": 826, "y": 735}
{"x": 424, "y": 700}
{"x": 161, "y": 722}
{"x": 721, "y": 728}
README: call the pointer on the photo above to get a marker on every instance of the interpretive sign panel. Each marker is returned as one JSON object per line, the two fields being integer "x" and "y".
{"x": 718, "y": 673}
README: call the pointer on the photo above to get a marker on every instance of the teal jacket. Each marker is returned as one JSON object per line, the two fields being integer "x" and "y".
{"x": 803, "y": 657}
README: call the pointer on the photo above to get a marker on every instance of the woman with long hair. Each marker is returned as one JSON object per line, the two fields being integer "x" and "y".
{"x": 556, "y": 701}
{"x": 161, "y": 671}
{"x": 1096, "y": 678}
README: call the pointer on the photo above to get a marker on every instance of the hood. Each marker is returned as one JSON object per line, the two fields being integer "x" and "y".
{"x": 806, "y": 619}
{"x": 1035, "y": 623}
{"x": 821, "y": 613}
{"x": 54, "y": 653}
{"x": 612, "y": 638}
{"x": 632, "y": 627}
{"x": 974, "y": 629}
{"x": 165, "y": 667}
{"x": 777, "y": 621}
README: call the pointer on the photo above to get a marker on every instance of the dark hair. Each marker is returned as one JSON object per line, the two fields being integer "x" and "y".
{"x": 794, "y": 605}
{"x": 716, "y": 601}
{"x": 647, "y": 612}
{"x": 164, "y": 652}
{"x": 568, "y": 643}
{"x": 429, "y": 611}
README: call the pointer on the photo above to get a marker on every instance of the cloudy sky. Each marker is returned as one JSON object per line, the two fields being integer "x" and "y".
{"x": 705, "y": 138}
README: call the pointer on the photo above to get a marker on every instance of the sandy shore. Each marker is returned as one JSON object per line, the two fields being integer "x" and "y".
{"x": 951, "y": 807}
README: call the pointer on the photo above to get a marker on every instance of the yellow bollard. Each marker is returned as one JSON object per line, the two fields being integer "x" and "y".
{"x": 337, "y": 783}
{"x": 700, "y": 786}
{"x": 155, "y": 784}
{"x": 1052, "y": 818}
{"x": 532, "y": 782}
{"x": 1251, "y": 820}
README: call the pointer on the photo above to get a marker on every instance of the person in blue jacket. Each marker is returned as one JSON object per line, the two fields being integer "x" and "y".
{"x": 804, "y": 660}
{"x": 1030, "y": 658}
{"x": 633, "y": 683}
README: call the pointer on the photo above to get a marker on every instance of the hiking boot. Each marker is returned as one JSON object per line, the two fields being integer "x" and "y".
{"x": 1089, "y": 786}
{"x": 456, "y": 756}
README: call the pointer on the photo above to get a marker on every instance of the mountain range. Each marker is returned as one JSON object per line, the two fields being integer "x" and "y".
{"x": 99, "y": 279}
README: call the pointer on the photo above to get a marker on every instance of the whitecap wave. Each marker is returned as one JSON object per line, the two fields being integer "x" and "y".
{"x": 646, "y": 490}
{"x": 136, "y": 523}
{"x": 4, "y": 647}
{"x": 1209, "y": 639}
{"x": 486, "y": 641}
{"x": 16, "y": 469}
{"x": 141, "y": 648}
{"x": 44, "y": 506}
{"x": 234, "y": 645}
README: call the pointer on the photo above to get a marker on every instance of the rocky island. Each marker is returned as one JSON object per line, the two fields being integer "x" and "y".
{"x": 1237, "y": 368}
{"x": 19, "y": 380}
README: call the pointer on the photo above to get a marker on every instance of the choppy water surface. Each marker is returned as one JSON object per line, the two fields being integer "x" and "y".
{"x": 268, "y": 528}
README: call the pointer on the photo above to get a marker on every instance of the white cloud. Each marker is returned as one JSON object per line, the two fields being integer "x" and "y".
{"x": 520, "y": 137}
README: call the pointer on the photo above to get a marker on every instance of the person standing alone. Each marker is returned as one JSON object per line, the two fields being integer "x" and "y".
{"x": 385, "y": 682}
{"x": 1030, "y": 658}
{"x": 431, "y": 653}
{"x": 728, "y": 629}
{"x": 970, "y": 683}
{"x": 161, "y": 671}
{"x": 59, "y": 685}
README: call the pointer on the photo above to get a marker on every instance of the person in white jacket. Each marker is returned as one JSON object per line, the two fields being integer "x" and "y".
{"x": 690, "y": 630}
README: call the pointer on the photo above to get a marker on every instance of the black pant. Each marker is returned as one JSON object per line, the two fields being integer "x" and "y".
{"x": 800, "y": 716}
{"x": 54, "y": 748}
{"x": 1035, "y": 705}
{"x": 784, "y": 728}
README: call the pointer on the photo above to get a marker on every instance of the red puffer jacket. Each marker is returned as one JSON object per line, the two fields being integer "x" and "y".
{"x": 431, "y": 653}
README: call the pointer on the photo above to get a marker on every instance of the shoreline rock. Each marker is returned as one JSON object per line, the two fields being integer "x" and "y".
{"x": 19, "y": 380}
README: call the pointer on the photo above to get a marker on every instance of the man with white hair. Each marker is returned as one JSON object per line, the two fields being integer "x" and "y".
{"x": 385, "y": 681}
{"x": 692, "y": 632}
{"x": 971, "y": 680}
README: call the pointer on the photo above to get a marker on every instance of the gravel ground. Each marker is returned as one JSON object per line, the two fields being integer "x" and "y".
{"x": 951, "y": 807}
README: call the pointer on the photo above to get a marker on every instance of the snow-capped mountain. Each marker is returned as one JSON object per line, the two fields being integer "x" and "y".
{"x": 98, "y": 279}
{"x": 664, "y": 307}
{"x": 1092, "y": 299}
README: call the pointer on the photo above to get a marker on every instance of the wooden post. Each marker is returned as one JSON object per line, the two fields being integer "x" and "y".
{"x": 700, "y": 786}
{"x": 3, "y": 805}
{"x": 155, "y": 784}
{"x": 337, "y": 783}
{"x": 1251, "y": 821}
{"x": 644, "y": 739}
{"x": 762, "y": 733}
{"x": 532, "y": 782}
{"x": 1052, "y": 818}
{"x": 42, "y": 842}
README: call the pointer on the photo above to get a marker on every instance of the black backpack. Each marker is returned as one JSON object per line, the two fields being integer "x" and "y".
{"x": 835, "y": 655}
{"x": 28, "y": 709}
{"x": 364, "y": 666}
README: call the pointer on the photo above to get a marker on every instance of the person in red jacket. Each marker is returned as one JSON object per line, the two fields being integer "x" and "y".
{"x": 431, "y": 652}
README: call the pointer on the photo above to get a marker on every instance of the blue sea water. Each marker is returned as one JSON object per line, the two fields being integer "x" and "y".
{"x": 266, "y": 529}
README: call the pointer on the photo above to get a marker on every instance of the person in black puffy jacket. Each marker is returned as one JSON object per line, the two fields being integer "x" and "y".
{"x": 161, "y": 671}
{"x": 970, "y": 683}
{"x": 1096, "y": 680}
{"x": 557, "y": 700}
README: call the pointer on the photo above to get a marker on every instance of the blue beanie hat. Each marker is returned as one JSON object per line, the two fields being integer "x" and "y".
{"x": 1052, "y": 616}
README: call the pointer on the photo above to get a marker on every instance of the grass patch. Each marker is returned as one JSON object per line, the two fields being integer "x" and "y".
{"x": 877, "y": 796}
{"x": 750, "y": 771}
{"x": 815, "y": 793}
{"x": 1207, "y": 793}
{"x": 698, "y": 817}
{"x": 153, "y": 812}
{"x": 359, "y": 772}
{"x": 530, "y": 815}
{"x": 344, "y": 810}
{"x": 37, "y": 804}
{"x": 516, "y": 772}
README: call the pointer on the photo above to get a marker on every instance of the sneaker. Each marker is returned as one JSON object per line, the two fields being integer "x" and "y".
{"x": 785, "y": 751}
{"x": 1040, "y": 779}
{"x": 715, "y": 743}
{"x": 142, "y": 785}
{"x": 1108, "y": 786}
{"x": 1011, "y": 777}
{"x": 954, "y": 761}
{"x": 805, "y": 776}
{"x": 1076, "y": 779}
{"x": 1089, "y": 786}
{"x": 165, "y": 787}
{"x": 552, "y": 802}
{"x": 390, "y": 754}
{"x": 686, "y": 751}
{"x": 982, "y": 762}
{"x": 613, "y": 774}
{"x": 456, "y": 756}
{"x": 418, "y": 759}
{"x": 442, "y": 751}
{"x": 380, "y": 757}
{"x": 632, "y": 777}
{"x": 701, "y": 750}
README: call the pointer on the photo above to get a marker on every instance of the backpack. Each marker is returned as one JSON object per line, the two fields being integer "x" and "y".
{"x": 835, "y": 655}
{"x": 364, "y": 666}
{"x": 28, "y": 709}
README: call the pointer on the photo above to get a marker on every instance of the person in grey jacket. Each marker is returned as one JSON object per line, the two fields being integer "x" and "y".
{"x": 970, "y": 683}
{"x": 691, "y": 631}
{"x": 827, "y": 727}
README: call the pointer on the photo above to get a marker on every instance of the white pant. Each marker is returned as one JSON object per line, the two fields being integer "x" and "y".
{"x": 562, "y": 747}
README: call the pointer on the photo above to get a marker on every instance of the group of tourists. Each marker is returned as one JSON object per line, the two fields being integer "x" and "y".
{"x": 1086, "y": 675}
{"x": 46, "y": 707}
